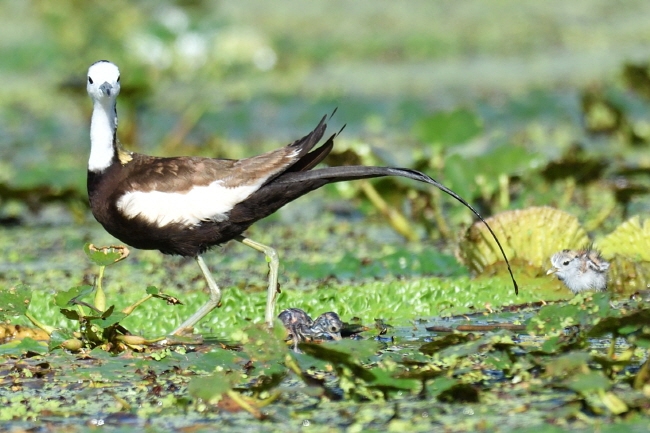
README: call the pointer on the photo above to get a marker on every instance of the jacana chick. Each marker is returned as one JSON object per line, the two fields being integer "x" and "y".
{"x": 298, "y": 325}
{"x": 187, "y": 205}
{"x": 327, "y": 325}
{"x": 580, "y": 270}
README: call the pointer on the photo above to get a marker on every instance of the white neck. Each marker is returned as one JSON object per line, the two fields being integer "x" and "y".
{"x": 102, "y": 131}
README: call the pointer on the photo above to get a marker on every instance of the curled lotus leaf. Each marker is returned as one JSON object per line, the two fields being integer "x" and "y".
{"x": 628, "y": 249}
{"x": 627, "y": 275}
{"x": 529, "y": 237}
{"x": 631, "y": 239}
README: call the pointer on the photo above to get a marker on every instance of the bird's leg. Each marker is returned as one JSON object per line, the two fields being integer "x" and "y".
{"x": 295, "y": 338}
{"x": 213, "y": 302}
{"x": 274, "y": 264}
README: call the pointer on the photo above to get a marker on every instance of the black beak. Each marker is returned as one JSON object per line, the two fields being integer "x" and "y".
{"x": 106, "y": 88}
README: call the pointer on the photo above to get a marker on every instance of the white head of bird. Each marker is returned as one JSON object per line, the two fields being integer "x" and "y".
{"x": 103, "y": 81}
{"x": 580, "y": 270}
{"x": 103, "y": 86}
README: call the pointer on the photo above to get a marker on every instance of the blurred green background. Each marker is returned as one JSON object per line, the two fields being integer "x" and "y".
{"x": 510, "y": 103}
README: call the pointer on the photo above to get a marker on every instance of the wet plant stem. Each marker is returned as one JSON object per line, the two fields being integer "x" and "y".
{"x": 100, "y": 297}
{"x": 612, "y": 346}
{"x": 128, "y": 310}
{"x": 441, "y": 223}
{"x": 48, "y": 329}
{"x": 291, "y": 364}
{"x": 643, "y": 375}
{"x": 270, "y": 399}
{"x": 237, "y": 398}
{"x": 395, "y": 217}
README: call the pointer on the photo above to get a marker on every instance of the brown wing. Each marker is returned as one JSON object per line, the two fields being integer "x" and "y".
{"x": 180, "y": 174}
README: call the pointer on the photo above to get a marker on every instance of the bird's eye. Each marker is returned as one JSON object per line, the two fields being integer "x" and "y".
{"x": 90, "y": 80}
{"x": 333, "y": 329}
{"x": 118, "y": 78}
{"x": 566, "y": 263}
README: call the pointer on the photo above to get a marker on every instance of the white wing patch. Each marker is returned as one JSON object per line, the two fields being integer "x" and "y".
{"x": 201, "y": 203}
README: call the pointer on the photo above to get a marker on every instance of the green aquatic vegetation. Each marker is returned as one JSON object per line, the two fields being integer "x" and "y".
{"x": 356, "y": 272}
{"x": 98, "y": 325}
{"x": 253, "y": 371}
{"x": 399, "y": 300}
{"x": 14, "y": 301}
{"x": 503, "y": 140}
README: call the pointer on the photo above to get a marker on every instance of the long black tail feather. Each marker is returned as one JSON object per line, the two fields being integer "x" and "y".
{"x": 353, "y": 172}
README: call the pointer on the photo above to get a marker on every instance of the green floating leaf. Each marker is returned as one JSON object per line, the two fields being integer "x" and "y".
{"x": 562, "y": 344}
{"x": 108, "y": 318}
{"x": 585, "y": 310}
{"x": 20, "y": 347}
{"x": 214, "y": 386}
{"x": 499, "y": 360}
{"x": 62, "y": 299}
{"x": 485, "y": 344}
{"x": 108, "y": 312}
{"x": 260, "y": 344}
{"x": 267, "y": 349}
{"x": 588, "y": 382}
{"x": 596, "y": 317}
{"x": 345, "y": 353}
{"x": 385, "y": 381}
{"x": 71, "y": 314}
{"x": 440, "y": 385}
{"x": 632, "y": 322}
{"x": 105, "y": 256}
{"x": 448, "y": 128}
{"x": 444, "y": 342}
{"x": 552, "y": 319}
{"x": 153, "y": 290}
{"x": 14, "y": 301}
{"x": 218, "y": 359}
{"x": 568, "y": 364}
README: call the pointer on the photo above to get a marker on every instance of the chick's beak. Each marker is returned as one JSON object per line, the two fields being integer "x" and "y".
{"x": 336, "y": 335}
{"x": 106, "y": 88}
{"x": 551, "y": 271}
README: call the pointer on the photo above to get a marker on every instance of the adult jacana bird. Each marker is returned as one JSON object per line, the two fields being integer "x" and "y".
{"x": 186, "y": 205}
